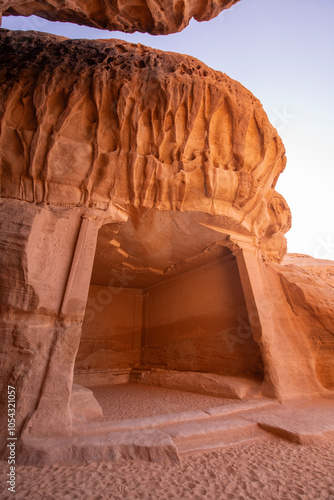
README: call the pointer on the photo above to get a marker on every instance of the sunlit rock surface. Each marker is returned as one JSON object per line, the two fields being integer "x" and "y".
{"x": 90, "y": 123}
{"x": 153, "y": 16}
{"x": 141, "y": 230}
{"x": 308, "y": 284}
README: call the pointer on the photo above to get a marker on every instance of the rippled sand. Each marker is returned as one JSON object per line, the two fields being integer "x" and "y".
{"x": 268, "y": 470}
{"x": 272, "y": 469}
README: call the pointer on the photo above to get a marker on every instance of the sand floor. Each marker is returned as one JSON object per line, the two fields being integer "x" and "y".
{"x": 267, "y": 470}
{"x": 135, "y": 400}
{"x": 271, "y": 469}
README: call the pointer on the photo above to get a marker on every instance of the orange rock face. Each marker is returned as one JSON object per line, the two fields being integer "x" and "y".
{"x": 137, "y": 127}
{"x": 309, "y": 288}
{"x": 140, "y": 230}
{"x": 157, "y": 18}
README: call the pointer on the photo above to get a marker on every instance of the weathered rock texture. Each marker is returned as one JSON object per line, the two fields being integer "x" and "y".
{"x": 84, "y": 406}
{"x": 40, "y": 335}
{"x": 144, "y": 182}
{"x": 89, "y": 123}
{"x": 201, "y": 383}
{"x": 309, "y": 287}
{"x": 152, "y": 16}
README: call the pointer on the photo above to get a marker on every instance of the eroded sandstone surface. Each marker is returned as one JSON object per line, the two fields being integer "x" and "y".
{"x": 308, "y": 284}
{"x": 141, "y": 231}
{"x": 152, "y": 16}
{"x": 94, "y": 123}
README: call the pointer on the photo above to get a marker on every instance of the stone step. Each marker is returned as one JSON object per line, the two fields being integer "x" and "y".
{"x": 212, "y": 434}
{"x": 310, "y": 425}
{"x": 205, "y": 444}
{"x": 145, "y": 444}
{"x": 158, "y": 421}
{"x": 205, "y": 427}
{"x": 244, "y": 407}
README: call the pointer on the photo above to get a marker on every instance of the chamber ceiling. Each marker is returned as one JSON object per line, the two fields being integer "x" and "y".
{"x": 153, "y": 246}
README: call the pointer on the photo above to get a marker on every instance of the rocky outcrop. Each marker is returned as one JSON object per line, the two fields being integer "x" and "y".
{"x": 84, "y": 406}
{"x": 201, "y": 383}
{"x": 321, "y": 268}
{"x": 94, "y": 123}
{"x": 309, "y": 289}
{"x": 40, "y": 317}
{"x": 152, "y": 16}
{"x": 122, "y": 169}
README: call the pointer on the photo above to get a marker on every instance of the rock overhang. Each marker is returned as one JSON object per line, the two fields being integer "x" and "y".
{"x": 154, "y": 246}
{"x": 166, "y": 165}
{"x": 100, "y": 123}
{"x": 154, "y": 17}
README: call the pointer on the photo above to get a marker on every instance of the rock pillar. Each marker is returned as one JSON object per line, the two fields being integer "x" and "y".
{"x": 46, "y": 261}
{"x": 289, "y": 365}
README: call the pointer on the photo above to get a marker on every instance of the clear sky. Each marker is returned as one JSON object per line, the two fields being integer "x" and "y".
{"x": 283, "y": 51}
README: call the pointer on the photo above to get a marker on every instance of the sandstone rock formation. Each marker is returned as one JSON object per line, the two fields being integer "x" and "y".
{"x": 157, "y": 18}
{"x": 309, "y": 287}
{"x": 137, "y": 127}
{"x": 321, "y": 268}
{"x": 84, "y": 406}
{"x": 140, "y": 229}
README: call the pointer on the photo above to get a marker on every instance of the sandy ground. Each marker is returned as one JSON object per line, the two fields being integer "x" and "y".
{"x": 135, "y": 400}
{"x": 267, "y": 470}
{"x": 271, "y": 469}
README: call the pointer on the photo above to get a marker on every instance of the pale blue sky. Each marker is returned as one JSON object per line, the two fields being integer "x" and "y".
{"x": 283, "y": 51}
